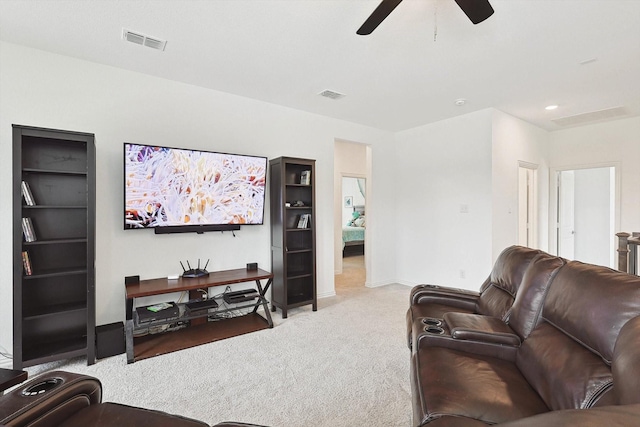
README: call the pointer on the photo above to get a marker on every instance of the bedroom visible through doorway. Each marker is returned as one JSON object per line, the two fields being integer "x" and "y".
{"x": 353, "y": 221}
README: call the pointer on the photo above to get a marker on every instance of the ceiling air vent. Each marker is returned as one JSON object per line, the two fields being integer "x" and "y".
{"x": 593, "y": 116}
{"x": 331, "y": 94}
{"x": 144, "y": 40}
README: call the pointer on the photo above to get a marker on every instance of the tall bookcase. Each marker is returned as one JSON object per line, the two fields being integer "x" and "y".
{"x": 293, "y": 233}
{"x": 53, "y": 270}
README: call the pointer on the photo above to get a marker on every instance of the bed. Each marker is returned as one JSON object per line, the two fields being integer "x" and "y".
{"x": 353, "y": 234}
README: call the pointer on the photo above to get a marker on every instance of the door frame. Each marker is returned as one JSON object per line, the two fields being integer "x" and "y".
{"x": 532, "y": 203}
{"x": 553, "y": 202}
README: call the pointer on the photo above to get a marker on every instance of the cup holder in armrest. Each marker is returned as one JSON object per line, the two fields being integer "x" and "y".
{"x": 430, "y": 321}
{"x": 431, "y": 286}
{"x": 42, "y": 387}
{"x": 437, "y": 330}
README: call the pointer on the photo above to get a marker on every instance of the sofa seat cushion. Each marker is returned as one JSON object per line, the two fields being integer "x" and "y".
{"x": 117, "y": 415}
{"x": 449, "y": 382}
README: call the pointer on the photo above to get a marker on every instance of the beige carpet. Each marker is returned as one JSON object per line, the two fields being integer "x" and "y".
{"x": 353, "y": 274}
{"x": 345, "y": 365}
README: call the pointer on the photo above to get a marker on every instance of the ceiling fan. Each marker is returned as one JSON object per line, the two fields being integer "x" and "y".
{"x": 476, "y": 10}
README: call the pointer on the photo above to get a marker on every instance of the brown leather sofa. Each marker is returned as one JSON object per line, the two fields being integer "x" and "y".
{"x": 565, "y": 352}
{"x": 64, "y": 399}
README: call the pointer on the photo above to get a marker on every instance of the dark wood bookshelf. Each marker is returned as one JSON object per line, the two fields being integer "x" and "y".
{"x": 293, "y": 249}
{"x": 54, "y": 306}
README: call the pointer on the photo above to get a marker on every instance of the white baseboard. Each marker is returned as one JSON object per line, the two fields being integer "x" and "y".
{"x": 327, "y": 294}
{"x": 385, "y": 283}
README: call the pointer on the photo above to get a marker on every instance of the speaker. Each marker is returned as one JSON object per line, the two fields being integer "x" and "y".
{"x": 130, "y": 280}
{"x": 109, "y": 340}
{"x": 252, "y": 266}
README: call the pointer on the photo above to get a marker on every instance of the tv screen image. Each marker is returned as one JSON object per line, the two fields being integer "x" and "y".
{"x": 166, "y": 187}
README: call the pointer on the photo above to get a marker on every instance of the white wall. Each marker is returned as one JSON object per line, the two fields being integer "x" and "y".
{"x": 515, "y": 141}
{"x": 445, "y": 166}
{"x": 466, "y": 163}
{"x": 48, "y": 90}
{"x": 595, "y": 145}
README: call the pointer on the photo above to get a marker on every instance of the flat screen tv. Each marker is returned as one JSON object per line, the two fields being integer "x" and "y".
{"x": 180, "y": 190}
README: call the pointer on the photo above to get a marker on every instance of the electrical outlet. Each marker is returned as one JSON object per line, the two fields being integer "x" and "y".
{"x": 462, "y": 274}
{"x": 464, "y": 208}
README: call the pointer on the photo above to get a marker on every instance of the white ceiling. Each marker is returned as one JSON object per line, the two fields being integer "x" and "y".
{"x": 524, "y": 57}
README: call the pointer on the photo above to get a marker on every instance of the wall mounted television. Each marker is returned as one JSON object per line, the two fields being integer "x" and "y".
{"x": 174, "y": 190}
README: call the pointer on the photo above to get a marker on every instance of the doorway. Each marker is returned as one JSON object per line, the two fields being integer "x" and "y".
{"x": 352, "y": 201}
{"x": 586, "y": 214}
{"x": 353, "y": 233}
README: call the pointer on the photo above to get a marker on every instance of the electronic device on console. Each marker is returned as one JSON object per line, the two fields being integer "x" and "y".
{"x": 194, "y": 272}
{"x": 240, "y": 296}
{"x": 200, "y": 305}
{"x": 163, "y": 311}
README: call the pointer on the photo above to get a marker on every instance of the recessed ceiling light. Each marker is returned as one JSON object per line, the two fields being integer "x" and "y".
{"x": 550, "y": 107}
{"x": 460, "y": 102}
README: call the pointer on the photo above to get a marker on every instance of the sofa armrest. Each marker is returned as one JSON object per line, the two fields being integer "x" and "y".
{"x": 476, "y": 327}
{"x": 50, "y": 398}
{"x": 444, "y": 295}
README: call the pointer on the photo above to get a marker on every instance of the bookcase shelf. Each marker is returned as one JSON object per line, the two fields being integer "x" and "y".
{"x": 54, "y": 300}
{"x": 293, "y": 247}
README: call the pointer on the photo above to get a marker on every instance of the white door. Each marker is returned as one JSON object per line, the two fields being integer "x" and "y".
{"x": 566, "y": 214}
{"x": 586, "y": 215}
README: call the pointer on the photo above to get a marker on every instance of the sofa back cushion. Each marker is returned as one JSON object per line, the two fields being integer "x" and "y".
{"x": 527, "y": 307}
{"x": 591, "y": 303}
{"x": 567, "y": 356}
{"x": 499, "y": 290}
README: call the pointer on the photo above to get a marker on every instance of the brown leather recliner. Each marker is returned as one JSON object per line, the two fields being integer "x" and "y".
{"x": 64, "y": 399}
{"x": 495, "y": 298}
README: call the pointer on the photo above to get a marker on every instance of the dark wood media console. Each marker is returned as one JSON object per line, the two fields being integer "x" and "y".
{"x": 199, "y": 328}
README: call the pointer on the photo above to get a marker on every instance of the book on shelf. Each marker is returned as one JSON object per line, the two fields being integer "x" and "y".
{"x": 305, "y": 178}
{"x": 27, "y": 194}
{"x": 303, "y": 221}
{"x": 26, "y": 263}
{"x": 28, "y": 230}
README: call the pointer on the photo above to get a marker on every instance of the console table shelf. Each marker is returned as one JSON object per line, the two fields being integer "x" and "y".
{"x": 157, "y": 344}
{"x": 192, "y": 329}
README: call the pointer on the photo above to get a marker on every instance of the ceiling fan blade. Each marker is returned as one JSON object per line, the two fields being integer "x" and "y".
{"x": 476, "y": 10}
{"x": 382, "y": 11}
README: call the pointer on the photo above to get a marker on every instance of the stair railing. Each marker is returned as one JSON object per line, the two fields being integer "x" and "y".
{"x": 628, "y": 252}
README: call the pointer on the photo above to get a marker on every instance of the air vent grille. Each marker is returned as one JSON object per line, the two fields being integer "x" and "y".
{"x": 144, "y": 40}
{"x": 606, "y": 114}
{"x": 331, "y": 94}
